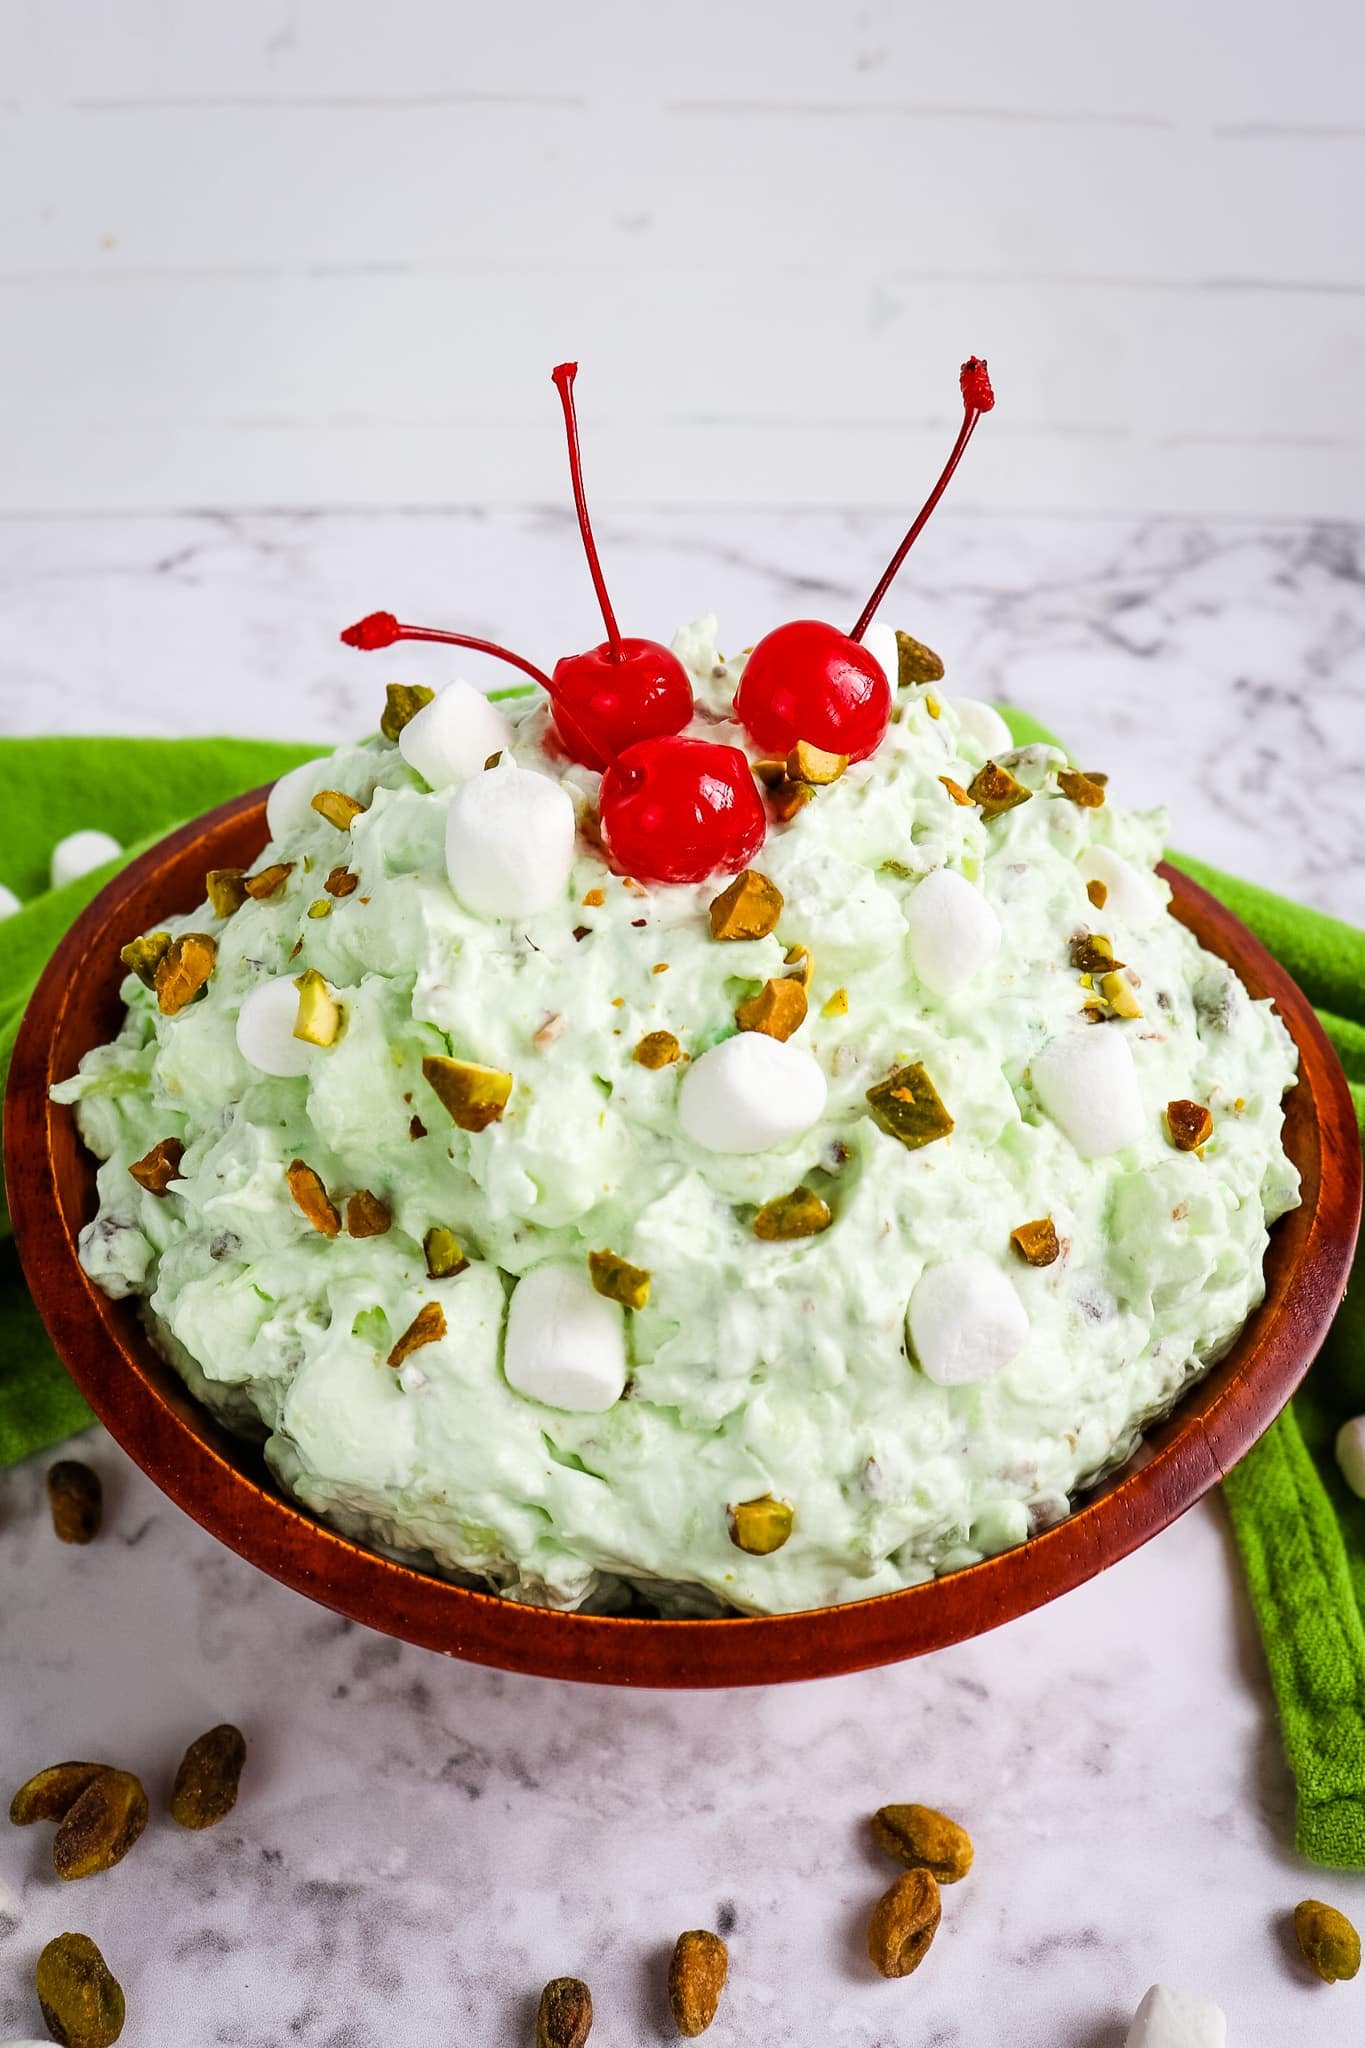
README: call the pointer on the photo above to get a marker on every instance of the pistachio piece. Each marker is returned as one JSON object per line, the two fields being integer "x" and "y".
{"x": 1037, "y": 1243}
{"x": 1117, "y": 991}
{"x": 996, "y": 790}
{"x": 475, "y": 1096}
{"x": 402, "y": 702}
{"x": 806, "y": 763}
{"x": 801, "y": 961}
{"x": 618, "y": 1280}
{"x": 184, "y": 968}
{"x": 143, "y": 956}
{"x": 932, "y": 705}
{"x": 907, "y": 1106}
{"x": 799, "y": 1214}
{"x": 76, "y": 1501}
{"x": 321, "y": 906}
{"x": 835, "y": 1005}
{"x": 916, "y": 663}
{"x": 1092, "y": 953}
{"x": 564, "y": 2019}
{"x": 50, "y": 1794}
{"x": 788, "y": 798}
{"x": 205, "y": 1788}
{"x": 956, "y": 791}
{"x": 367, "y": 1216}
{"x": 269, "y": 881}
{"x": 158, "y": 1168}
{"x": 444, "y": 1253}
{"x": 100, "y": 1826}
{"x": 761, "y": 1526}
{"x": 320, "y": 1014}
{"x": 748, "y": 909}
{"x": 1327, "y": 1941}
{"x": 337, "y": 808}
{"x": 1098, "y": 893}
{"x": 657, "y": 1049}
{"x": 308, "y": 1191}
{"x": 1085, "y": 790}
{"x": 923, "y": 1839}
{"x": 770, "y": 773}
{"x": 428, "y": 1326}
{"x": 778, "y": 1009}
{"x": 341, "y": 882}
{"x": 81, "y": 1999}
{"x": 225, "y": 889}
{"x": 1190, "y": 1125}
{"x": 904, "y": 1922}
{"x": 696, "y": 1979}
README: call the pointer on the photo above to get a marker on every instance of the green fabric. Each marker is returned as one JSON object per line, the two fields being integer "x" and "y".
{"x": 1302, "y": 1533}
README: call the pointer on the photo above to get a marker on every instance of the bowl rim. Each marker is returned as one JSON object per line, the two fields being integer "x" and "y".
{"x": 204, "y": 1470}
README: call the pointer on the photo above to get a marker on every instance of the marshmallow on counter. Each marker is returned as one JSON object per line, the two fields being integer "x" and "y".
{"x": 880, "y": 640}
{"x": 953, "y": 931}
{"x": 451, "y": 738}
{"x": 982, "y": 725}
{"x": 79, "y": 853}
{"x": 565, "y": 1342}
{"x": 1087, "y": 1083}
{"x": 1351, "y": 1454}
{"x": 749, "y": 1093}
{"x": 288, "y": 806}
{"x": 265, "y": 1029}
{"x": 1168, "y": 2018}
{"x": 509, "y": 841}
{"x": 1130, "y": 896}
{"x": 9, "y": 902}
{"x": 965, "y": 1320}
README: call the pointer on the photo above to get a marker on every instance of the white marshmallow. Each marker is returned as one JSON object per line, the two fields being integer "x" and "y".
{"x": 265, "y": 1029}
{"x": 982, "y": 725}
{"x": 1087, "y": 1083}
{"x": 1351, "y": 1454}
{"x": 1131, "y": 897}
{"x": 566, "y": 1343}
{"x": 9, "y": 902}
{"x": 749, "y": 1093}
{"x": 953, "y": 931}
{"x": 881, "y": 641}
{"x": 965, "y": 1320}
{"x": 1177, "y": 2019}
{"x": 289, "y": 804}
{"x": 509, "y": 842}
{"x": 79, "y": 853}
{"x": 450, "y": 739}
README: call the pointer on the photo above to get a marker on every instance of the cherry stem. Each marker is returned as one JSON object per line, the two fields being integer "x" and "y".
{"x": 563, "y": 377}
{"x": 974, "y": 387}
{"x": 382, "y": 630}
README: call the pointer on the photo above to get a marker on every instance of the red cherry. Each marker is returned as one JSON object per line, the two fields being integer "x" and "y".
{"x": 679, "y": 810}
{"x": 624, "y": 689}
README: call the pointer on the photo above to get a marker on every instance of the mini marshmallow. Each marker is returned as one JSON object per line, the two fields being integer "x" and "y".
{"x": 1130, "y": 896}
{"x": 749, "y": 1093}
{"x": 982, "y": 725}
{"x": 288, "y": 806}
{"x": 265, "y": 1029}
{"x": 965, "y": 1320}
{"x": 79, "y": 853}
{"x": 451, "y": 738}
{"x": 509, "y": 842}
{"x": 881, "y": 641}
{"x": 1087, "y": 1083}
{"x": 9, "y": 902}
{"x": 565, "y": 1343}
{"x": 1168, "y": 2018}
{"x": 952, "y": 931}
{"x": 1351, "y": 1454}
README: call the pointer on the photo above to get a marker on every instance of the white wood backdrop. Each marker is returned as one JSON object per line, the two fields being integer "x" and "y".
{"x": 302, "y": 252}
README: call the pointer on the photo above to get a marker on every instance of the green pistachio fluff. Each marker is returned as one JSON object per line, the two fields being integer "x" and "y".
{"x": 758, "y": 1366}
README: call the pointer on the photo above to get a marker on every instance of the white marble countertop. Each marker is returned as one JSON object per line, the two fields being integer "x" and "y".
{"x": 420, "y": 1844}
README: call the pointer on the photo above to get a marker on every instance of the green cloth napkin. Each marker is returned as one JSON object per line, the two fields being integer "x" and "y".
{"x": 1302, "y": 1533}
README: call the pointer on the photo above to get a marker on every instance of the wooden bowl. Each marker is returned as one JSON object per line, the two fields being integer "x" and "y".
{"x": 223, "y": 1483}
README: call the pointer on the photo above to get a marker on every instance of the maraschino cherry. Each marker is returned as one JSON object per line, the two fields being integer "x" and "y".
{"x": 807, "y": 680}
{"x": 678, "y": 810}
{"x": 626, "y": 689}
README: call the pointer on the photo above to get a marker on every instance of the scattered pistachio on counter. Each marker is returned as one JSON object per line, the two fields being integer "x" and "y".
{"x": 402, "y": 702}
{"x": 158, "y": 1168}
{"x": 748, "y": 909}
{"x": 916, "y": 663}
{"x": 312, "y": 1197}
{"x": 1327, "y": 1941}
{"x": 183, "y": 970}
{"x": 428, "y": 1326}
{"x": 1190, "y": 1125}
{"x": 51, "y": 1793}
{"x": 904, "y": 1922}
{"x": 81, "y": 1999}
{"x": 565, "y": 2016}
{"x": 761, "y": 1526}
{"x": 1037, "y": 1243}
{"x": 475, "y": 1096}
{"x": 76, "y": 1499}
{"x": 100, "y": 1826}
{"x": 205, "y": 1788}
{"x": 923, "y": 1839}
{"x": 618, "y": 1280}
{"x": 696, "y": 1979}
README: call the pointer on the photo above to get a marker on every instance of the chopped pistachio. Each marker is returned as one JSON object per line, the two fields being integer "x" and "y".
{"x": 367, "y": 1216}
{"x": 618, "y": 1280}
{"x": 341, "y": 882}
{"x": 184, "y": 969}
{"x": 1084, "y": 790}
{"x": 916, "y": 663}
{"x": 836, "y": 1005}
{"x": 337, "y": 808}
{"x": 658, "y": 1049}
{"x": 1190, "y": 1124}
{"x": 1096, "y": 1012}
{"x": 416, "y": 1128}
{"x": 788, "y": 798}
{"x": 932, "y": 705}
{"x": 225, "y": 889}
{"x": 1117, "y": 991}
{"x": 770, "y": 773}
{"x": 801, "y": 960}
{"x": 1037, "y": 1243}
{"x": 402, "y": 702}
{"x": 269, "y": 881}
{"x": 956, "y": 791}
{"x": 158, "y": 1168}
{"x": 475, "y": 1096}
{"x": 76, "y": 1500}
{"x": 799, "y": 1214}
{"x": 321, "y": 906}
{"x": 761, "y": 1526}
{"x": 806, "y": 763}
{"x": 428, "y": 1326}
{"x": 594, "y": 899}
{"x": 1098, "y": 893}
{"x": 143, "y": 956}
{"x": 996, "y": 790}
{"x": 907, "y": 1106}
{"x": 748, "y": 909}
{"x": 444, "y": 1253}
{"x": 1092, "y": 953}
{"x": 493, "y": 759}
{"x": 779, "y": 1008}
{"x": 659, "y": 967}
{"x": 320, "y": 1014}
{"x": 308, "y": 1191}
